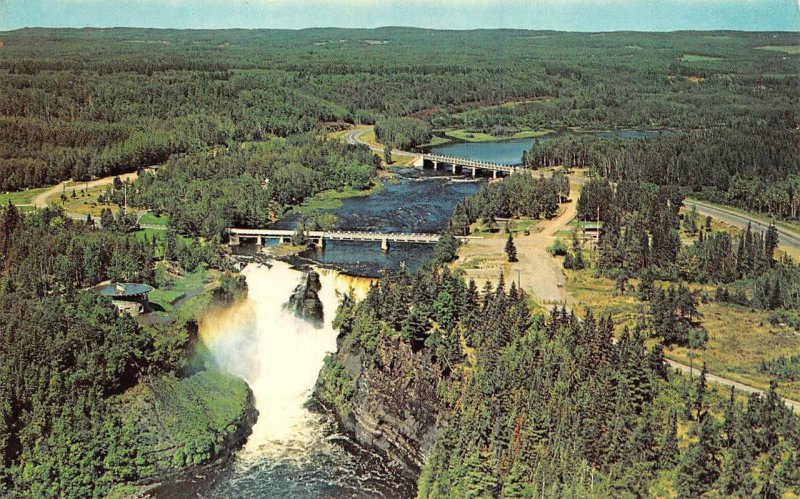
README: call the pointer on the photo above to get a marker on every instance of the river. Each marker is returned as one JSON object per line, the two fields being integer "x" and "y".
{"x": 509, "y": 152}
{"x": 297, "y": 451}
{"x": 413, "y": 201}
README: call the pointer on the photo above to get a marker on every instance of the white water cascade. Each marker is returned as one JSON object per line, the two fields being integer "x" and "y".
{"x": 278, "y": 354}
{"x": 293, "y": 451}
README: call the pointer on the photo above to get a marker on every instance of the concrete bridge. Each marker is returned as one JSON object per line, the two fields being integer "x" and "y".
{"x": 320, "y": 236}
{"x": 472, "y": 164}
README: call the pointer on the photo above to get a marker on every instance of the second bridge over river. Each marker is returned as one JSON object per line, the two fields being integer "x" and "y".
{"x": 468, "y": 164}
{"x": 319, "y": 237}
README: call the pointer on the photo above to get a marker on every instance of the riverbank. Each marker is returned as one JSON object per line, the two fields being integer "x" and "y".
{"x": 184, "y": 425}
{"x": 464, "y": 135}
{"x": 332, "y": 198}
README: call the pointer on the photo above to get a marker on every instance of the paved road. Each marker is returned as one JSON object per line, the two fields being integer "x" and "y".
{"x": 787, "y": 238}
{"x": 794, "y": 405}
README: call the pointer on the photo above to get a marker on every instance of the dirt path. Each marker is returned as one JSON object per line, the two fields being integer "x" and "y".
{"x": 41, "y": 200}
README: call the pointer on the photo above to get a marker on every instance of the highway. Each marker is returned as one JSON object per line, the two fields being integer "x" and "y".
{"x": 787, "y": 239}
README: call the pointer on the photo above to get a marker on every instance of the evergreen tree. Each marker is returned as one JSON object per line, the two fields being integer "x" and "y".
{"x": 771, "y": 243}
{"x": 480, "y": 481}
{"x": 107, "y": 219}
{"x": 668, "y": 449}
{"x": 735, "y": 478}
{"x": 700, "y": 394}
{"x": 387, "y": 154}
{"x": 699, "y": 467}
{"x": 511, "y": 249}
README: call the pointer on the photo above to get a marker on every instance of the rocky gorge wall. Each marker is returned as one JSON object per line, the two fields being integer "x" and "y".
{"x": 388, "y": 399}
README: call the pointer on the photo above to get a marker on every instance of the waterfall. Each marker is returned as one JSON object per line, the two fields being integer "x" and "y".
{"x": 292, "y": 452}
{"x": 278, "y": 354}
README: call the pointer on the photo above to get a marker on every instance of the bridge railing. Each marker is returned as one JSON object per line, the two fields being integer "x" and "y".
{"x": 468, "y": 162}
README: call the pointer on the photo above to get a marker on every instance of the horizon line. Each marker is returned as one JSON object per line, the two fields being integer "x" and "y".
{"x": 391, "y": 26}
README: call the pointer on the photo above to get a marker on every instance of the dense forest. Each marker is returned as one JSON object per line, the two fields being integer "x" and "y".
{"x": 755, "y": 167}
{"x": 68, "y": 356}
{"x": 93, "y": 102}
{"x": 249, "y": 185}
{"x": 515, "y": 196}
{"x": 537, "y": 405}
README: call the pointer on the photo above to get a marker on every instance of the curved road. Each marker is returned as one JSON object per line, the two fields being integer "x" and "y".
{"x": 356, "y": 136}
{"x": 41, "y": 200}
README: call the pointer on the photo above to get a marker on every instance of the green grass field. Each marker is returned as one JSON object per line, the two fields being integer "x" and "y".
{"x": 468, "y": 136}
{"x": 20, "y": 197}
{"x": 165, "y": 298}
{"x": 699, "y": 58}
{"x": 332, "y": 199}
{"x": 789, "y": 49}
{"x": 150, "y": 219}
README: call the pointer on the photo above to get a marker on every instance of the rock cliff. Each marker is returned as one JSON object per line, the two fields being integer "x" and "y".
{"x": 387, "y": 399}
{"x": 305, "y": 303}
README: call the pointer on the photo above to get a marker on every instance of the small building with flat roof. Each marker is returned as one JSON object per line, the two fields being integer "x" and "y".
{"x": 127, "y": 296}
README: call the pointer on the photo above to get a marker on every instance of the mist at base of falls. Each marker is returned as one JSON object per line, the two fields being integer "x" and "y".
{"x": 294, "y": 451}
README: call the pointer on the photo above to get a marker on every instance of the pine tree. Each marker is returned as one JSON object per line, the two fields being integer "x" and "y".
{"x": 771, "y": 243}
{"x": 387, "y": 154}
{"x": 511, "y": 249}
{"x": 480, "y": 480}
{"x": 700, "y": 394}
{"x": 668, "y": 448}
{"x": 699, "y": 467}
{"x": 736, "y": 478}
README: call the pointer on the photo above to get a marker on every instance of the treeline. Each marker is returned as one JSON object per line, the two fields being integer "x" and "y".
{"x": 403, "y": 133}
{"x": 754, "y": 167}
{"x": 249, "y": 185}
{"x": 35, "y": 153}
{"x": 554, "y": 406}
{"x": 517, "y": 195}
{"x": 783, "y": 368}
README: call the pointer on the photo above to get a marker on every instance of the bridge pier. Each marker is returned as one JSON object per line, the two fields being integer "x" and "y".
{"x": 435, "y": 165}
{"x": 454, "y": 168}
{"x": 473, "y": 172}
{"x": 385, "y": 244}
{"x": 233, "y": 240}
{"x": 259, "y": 243}
{"x": 494, "y": 174}
{"x": 321, "y": 243}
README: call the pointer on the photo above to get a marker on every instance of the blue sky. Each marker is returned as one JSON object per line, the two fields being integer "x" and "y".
{"x": 570, "y": 15}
